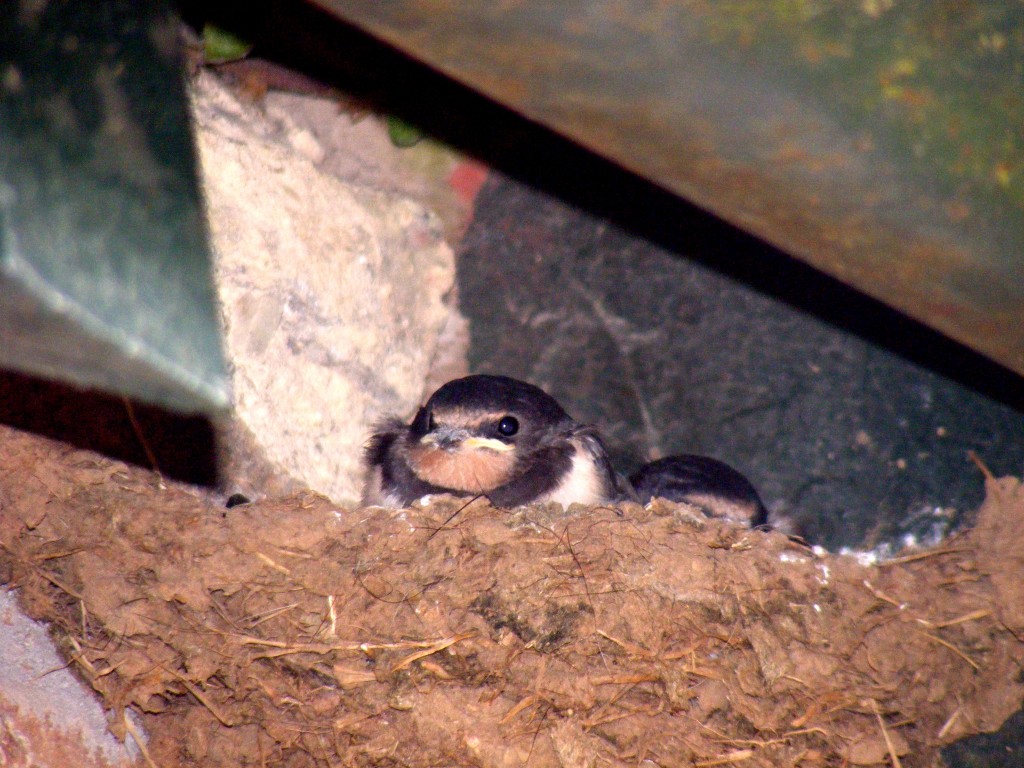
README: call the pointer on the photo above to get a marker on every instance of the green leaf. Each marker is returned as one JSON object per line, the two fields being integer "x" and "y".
{"x": 402, "y": 134}
{"x": 221, "y": 46}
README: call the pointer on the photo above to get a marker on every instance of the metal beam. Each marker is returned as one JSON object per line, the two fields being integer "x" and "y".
{"x": 880, "y": 142}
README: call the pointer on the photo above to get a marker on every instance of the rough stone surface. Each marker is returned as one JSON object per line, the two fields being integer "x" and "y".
{"x": 47, "y": 718}
{"x": 333, "y": 297}
{"x": 429, "y": 172}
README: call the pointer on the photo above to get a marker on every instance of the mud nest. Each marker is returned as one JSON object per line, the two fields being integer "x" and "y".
{"x": 295, "y": 632}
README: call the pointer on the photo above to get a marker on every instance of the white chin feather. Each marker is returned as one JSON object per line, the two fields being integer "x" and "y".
{"x": 584, "y": 484}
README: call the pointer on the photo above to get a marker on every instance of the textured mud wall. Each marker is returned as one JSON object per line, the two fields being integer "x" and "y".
{"x": 297, "y": 632}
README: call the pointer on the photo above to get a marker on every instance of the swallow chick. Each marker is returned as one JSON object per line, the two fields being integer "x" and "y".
{"x": 493, "y": 436}
{"x": 711, "y": 485}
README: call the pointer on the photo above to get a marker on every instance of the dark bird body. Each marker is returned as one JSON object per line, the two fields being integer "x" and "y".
{"x": 712, "y": 485}
{"x": 493, "y": 436}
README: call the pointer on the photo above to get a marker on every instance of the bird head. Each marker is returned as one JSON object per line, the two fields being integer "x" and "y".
{"x": 474, "y": 433}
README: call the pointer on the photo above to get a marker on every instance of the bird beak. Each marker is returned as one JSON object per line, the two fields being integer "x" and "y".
{"x": 488, "y": 442}
{"x": 449, "y": 439}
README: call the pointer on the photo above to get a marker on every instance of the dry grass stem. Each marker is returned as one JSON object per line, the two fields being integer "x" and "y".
{"x": 885, "y": 735}
{"x": 523, "y": 704}
{"x": 951, "y": 647}
{"x": 948, "y": 725}
{"x": 903, "y": 560}
{"x": 138, "y": 738}
{"x": 200, "y": 697}
{"x": 732, "y": 757}
{"x": 982, "y": 467}
{"x": 431, "y": 650}
{"x": 981, "y": 613}
{"x": 882, "y": 596}
{"x": 274, "y": 564}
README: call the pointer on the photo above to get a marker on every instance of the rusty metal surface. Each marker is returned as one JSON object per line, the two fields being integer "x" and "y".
{"x": 878, "y": 141}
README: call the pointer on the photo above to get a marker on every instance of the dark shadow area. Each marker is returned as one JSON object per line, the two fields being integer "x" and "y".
{"x": 179, "y": 447}
{"x": 312, "y": 41}
{"x": 668, "y": 356}
{"x": 1002, "y": 749}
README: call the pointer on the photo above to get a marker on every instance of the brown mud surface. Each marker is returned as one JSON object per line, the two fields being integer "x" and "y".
{"x": 293, "y": 632}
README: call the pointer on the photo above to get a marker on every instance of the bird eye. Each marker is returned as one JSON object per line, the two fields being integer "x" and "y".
{"x": 431, "y": 424}
{"x": 508, "y": 426}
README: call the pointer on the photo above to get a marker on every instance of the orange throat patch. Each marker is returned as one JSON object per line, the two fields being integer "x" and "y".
{"x": 469, "y": 470}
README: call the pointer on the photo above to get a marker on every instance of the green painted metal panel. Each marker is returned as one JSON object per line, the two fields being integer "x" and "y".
{"x": 105, "y": 277}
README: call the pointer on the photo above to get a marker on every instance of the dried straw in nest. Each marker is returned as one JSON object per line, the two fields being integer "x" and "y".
{"x": 292, "y": 632}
